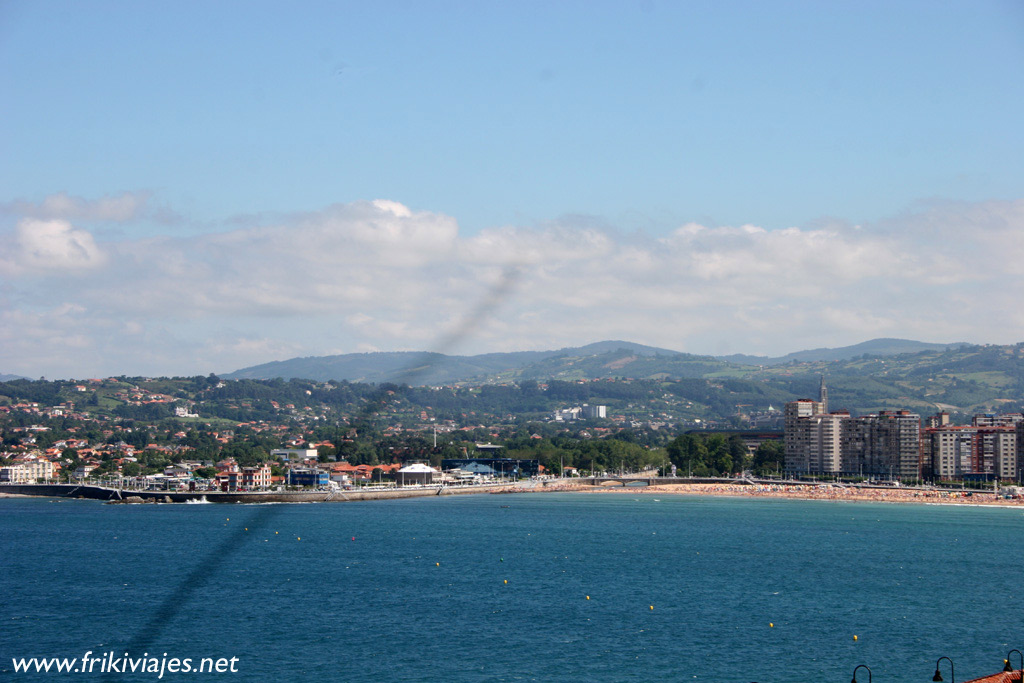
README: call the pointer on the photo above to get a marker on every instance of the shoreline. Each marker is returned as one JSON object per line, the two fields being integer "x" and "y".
{"x": 113, "y": 496}
{"x": 808, "y": 492}
{"x": 826, "y": 492}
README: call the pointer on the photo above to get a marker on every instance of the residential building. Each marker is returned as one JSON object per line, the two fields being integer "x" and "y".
{"x": 27, "y": 472}
{"x": 1005, "y": 459}
{"x": 824, "y": 442}
{"x": 797, "y": 434}
{"x": 955, "y": 452}
{"x": 886, "y": 444}
{"x": 256, "y": 477}
{"x": 950, "y": 450}
{"x": 993, "y": 420}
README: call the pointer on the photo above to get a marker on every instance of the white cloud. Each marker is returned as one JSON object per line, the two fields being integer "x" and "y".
{"x": 53, "y": 245}
{"x": 379, "y": 275}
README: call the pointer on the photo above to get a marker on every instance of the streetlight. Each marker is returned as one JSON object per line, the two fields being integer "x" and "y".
{"x": 861, "y": 666}
{"x": 952, "y": 672}
{"x": 1010, "y": 668}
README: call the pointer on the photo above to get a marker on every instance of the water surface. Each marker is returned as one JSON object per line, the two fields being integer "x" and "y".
{"x": 415, "y": 590}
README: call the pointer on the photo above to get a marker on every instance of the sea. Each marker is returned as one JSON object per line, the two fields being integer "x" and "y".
{"x": 524, "y": 587}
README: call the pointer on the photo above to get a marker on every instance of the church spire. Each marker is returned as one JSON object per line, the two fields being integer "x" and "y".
{"x": 823, "y": 396}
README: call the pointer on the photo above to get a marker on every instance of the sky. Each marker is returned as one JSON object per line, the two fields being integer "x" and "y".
{"x": 194, "y": 187}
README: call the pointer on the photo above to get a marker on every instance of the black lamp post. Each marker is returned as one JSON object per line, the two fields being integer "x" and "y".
{"x": 952, "y": 671}
{"x": 861, "y": 666}
{"x": 1010, "y": 668}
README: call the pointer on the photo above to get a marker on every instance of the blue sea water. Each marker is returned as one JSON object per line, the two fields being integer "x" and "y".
{"x": 495, "y": 588}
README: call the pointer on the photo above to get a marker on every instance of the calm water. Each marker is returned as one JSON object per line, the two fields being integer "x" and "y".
{"x": 420, "y": 593}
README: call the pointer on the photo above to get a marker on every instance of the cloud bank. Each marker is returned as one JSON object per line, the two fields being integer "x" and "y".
{"x": 377, "y": 275}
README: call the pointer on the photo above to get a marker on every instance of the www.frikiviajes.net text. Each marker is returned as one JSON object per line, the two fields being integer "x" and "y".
{"x": 110, "y": 663}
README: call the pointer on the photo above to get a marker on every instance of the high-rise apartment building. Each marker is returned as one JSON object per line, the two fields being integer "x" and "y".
{"x": 824, "y": 442}
{"x": 954, "y": 452}
{"x": 1005, "y": 462}
{"x": 817, "y": 442}
{"x": 885, "y": 444}
{"x": 797, "y": 434}
{"x": 950, "y": 450}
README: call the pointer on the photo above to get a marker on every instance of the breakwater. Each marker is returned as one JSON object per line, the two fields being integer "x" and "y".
{"x": 249, "y": 497}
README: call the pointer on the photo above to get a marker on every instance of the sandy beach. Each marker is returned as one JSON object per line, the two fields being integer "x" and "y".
{"x": 802, "y": 492}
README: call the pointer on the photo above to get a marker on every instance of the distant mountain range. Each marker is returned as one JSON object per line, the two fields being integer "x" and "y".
{"x": 423, "y": 368}
{"x": 883, "y": 374}
{"x": 875, "y": 347}
{"x": 601, "y": 359}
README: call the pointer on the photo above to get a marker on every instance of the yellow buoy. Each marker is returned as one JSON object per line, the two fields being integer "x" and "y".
{"x": 855, "y": 637}
{"x": 588, "y": 597}
{"x": 771, "y": 625}
{"x": 298, "y": 538}
{"x": 652, "y": 606}
{"x": 437, "y": 564}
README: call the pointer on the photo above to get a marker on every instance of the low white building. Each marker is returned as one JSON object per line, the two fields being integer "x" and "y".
{"x": 417, "y": 473}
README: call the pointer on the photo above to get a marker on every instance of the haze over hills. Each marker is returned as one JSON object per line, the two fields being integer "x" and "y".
{"x": 600, "y": 359}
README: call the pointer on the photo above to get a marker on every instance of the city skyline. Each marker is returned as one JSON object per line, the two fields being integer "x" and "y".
{"x": 191, "y": 189}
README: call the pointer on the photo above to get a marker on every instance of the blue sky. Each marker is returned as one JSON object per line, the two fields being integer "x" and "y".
{"x": 549, "y": 139}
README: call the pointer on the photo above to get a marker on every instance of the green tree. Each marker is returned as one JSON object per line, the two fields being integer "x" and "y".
{"x": 689, "y": 454}
{"x": 768, "y": 458}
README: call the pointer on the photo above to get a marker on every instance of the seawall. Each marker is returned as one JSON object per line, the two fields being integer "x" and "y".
{"x": 109, "y": 494}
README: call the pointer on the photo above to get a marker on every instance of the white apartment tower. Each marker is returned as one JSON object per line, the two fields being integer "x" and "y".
{"x": 797, "y": 434}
